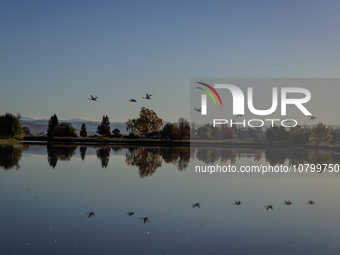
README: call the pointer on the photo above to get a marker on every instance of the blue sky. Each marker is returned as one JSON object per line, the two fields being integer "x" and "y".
{"x": 54, "y": 54}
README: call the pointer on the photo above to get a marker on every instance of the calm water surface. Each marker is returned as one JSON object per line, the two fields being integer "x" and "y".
{"x": 75, "y": 200}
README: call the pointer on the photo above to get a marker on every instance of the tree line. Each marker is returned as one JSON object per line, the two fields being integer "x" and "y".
{"x": 318, "y": 134}
{"x": 148, "y": 122}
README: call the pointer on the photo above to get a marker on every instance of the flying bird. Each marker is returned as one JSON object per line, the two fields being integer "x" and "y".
{"x": 312, "y": 118}
{"x": 237, "y": 202}
{"x": 288, "y": 202}
{"x": 133, "y": 100}
{"x": 91, "y": 214}
{"x": 146, "y": 219}
{"x": 147, "y": 96}
{"x": 311, "y": 202}
{"x": 199, "y": 110}
{"x": 196, "y": 205}
{"x": 131, "y": 213}
{"x": 93, "y": 98}
{"x": 289, "y": 121}
{"x": 239, "y": 116}
{"x": 269, "y": 207}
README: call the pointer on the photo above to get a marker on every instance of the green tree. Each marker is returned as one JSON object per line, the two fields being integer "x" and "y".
{"x": 299, "y": 135}
{"x": 252, "y": 133}
{"x": 336, "y": 136}
{"x": 204, "y": 132}
{"x": 168, "y": 130}
{"x": 276, "y": 133}
{"x": 10, "y": 127}
{"x": 215, "y": 131}
{"x": 259, "y": 131}
{"x": 115, "y": 132}
{"x": 52, "y": 123}
{"x": 64, "y": 129}
{"x": 235, "y": 128}
{"x": 242, "y": 133}
{"x": 104, "y": 128}
{"x": 227, "y": 132}
{"x": 147, "y": 122}
{"x": 26, "y": 130}
{"x": 321, "y": 134}
{"x": 183, "y": 129}
{"x": 106, "y": 121}
{"x": 132, "y": 135}
{"x": 83, "y": 132}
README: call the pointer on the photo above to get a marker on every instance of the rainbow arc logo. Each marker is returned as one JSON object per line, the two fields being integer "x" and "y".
{"x": 204, "y": 97}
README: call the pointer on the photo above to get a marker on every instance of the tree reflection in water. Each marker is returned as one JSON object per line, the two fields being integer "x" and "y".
{"x": 149, "y": 159}
{"x": 296, "y": 157}
{"x": 10, "y": 156}
{"x": 59, "y": 152}
{"x": 103, "y": 154}
{"x": 146, "y": 159}
{"x": 180, "y": 157}
{"x": 211, "y": 155}
{"x": 275, "y": 158}
{"x": 82, "y": 151}
{"x": 208, "y": 155}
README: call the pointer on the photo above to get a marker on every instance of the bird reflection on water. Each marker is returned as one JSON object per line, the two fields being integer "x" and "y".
{"x": 196, "y": 205}
{"x": 146, "y": 219}
{"x": 289, "y": 202}
{"x": 91, "y": 214}
{"x": 311, "y": 202}
{"x": 269, "y": 207}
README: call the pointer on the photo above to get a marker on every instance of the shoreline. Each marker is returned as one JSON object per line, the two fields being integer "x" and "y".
{"x": 175, "y": 143}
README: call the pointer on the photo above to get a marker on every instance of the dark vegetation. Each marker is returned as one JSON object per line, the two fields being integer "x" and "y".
{"x": 149, "y": 126}
{"x": 10, "y": 127}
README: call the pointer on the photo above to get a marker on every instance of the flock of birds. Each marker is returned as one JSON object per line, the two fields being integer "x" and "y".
{"x": 145, "y": 219}
{"x": 287, "y": 202}
{"x": 288, "y": 121}
{"x": 131, "y": 100}
{"x": 198, "y": 205}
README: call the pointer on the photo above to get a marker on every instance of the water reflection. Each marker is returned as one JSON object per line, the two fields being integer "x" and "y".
{"x": 90, "y": 215}
{"x": 296, "y": 157}
{"x": 149, "y": 159}
{"x": 59, "y": 152}
{"x": 103, "y": 154}
{"x": 146, "y": 159}
{"x": 212, "y": 155}
{"x": 10, "y": 156}
{"x": 180, "y": 157}
{"x": 168, "y": 213}
{"x": 82, "y": 151}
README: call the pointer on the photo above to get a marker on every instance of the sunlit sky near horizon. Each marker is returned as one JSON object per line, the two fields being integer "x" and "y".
{"x": 54, "y": 54}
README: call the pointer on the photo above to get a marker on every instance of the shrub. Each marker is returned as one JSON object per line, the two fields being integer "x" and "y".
{"x": 64, "y": 129}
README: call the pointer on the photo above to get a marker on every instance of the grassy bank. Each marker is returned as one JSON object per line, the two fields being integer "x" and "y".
{"x": 9, "y": 141}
